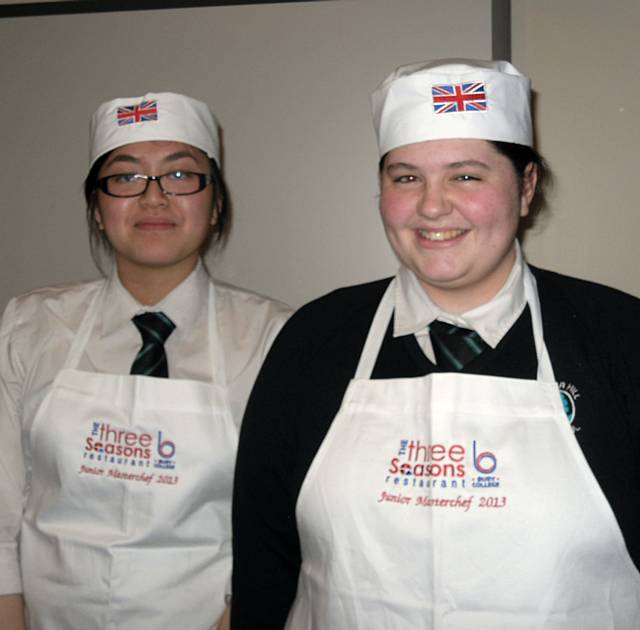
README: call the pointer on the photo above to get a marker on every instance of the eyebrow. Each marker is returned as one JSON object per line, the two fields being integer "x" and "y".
{"x": 178, "y": 155}
{"x": 395, "y": 166}
{"x": 131, "y": 159}
{"x": 464, "y": 163}
{"x": 452, "y": 165}
{"x": 123, "y": 157}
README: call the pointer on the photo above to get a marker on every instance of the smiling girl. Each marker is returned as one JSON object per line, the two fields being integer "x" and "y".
{"x": 121, "y": 399}
{"x": 520, "y": 519}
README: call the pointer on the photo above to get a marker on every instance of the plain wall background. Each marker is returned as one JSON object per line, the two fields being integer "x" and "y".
{"x": 582, "y": 56}
{"x": 290, "y": 86}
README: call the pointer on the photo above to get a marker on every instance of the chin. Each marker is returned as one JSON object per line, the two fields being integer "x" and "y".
{"x": 155, "y": 262}
{"x": 441, "y": 278}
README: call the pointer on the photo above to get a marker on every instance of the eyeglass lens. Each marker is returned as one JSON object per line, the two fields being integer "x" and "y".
{"x": 177, "y": 183}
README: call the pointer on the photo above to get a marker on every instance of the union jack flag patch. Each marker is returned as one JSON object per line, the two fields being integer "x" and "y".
{"x": 459, "y": 97}
{"x": 142, "y": 112}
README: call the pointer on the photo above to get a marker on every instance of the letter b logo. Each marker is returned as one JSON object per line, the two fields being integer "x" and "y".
{"x": 166, "y": 448}
{"x": 484, "y": 462}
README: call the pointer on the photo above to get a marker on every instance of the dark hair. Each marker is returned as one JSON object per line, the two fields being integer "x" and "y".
{"x": 520, "y": 157}
{"x": 98, "y": 241}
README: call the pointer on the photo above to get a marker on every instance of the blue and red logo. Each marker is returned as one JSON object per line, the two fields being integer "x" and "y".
{"x": 484, "y": 462}
{"x": 443, "y": 465}
{"x": 459, "y": 97}
{"x": 144, "y": 111}
{"x": 115, "y": 445}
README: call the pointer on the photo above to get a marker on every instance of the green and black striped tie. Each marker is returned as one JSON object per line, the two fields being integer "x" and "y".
{"x": 453, "y": 346}
{"x": 151, "y": 359}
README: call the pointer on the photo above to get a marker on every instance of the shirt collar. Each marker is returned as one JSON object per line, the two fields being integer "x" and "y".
{"x": 414, "y": 310}
{"x": 183, "y": 305}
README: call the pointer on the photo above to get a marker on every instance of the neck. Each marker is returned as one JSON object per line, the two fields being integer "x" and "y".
{"x": 150, "y": 285}
{"x": 458, "y": 302}
{"x": 465, "y": 298}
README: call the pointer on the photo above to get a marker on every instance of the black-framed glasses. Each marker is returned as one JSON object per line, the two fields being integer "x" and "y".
{"x": 136, "y": 184}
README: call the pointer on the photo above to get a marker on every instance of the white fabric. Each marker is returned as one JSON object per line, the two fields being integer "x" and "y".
{"x": 404, "y": 111}
{"x": 508, "y": 529}
{"x": 35, "y": 338}
{"x": 414, "y": 310}
{"x": 169, "y": 116}
{"x": 127, "y": 522}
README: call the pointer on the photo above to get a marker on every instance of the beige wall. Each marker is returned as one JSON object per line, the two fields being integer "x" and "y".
{"x": 289, "y": 84}
{"x": 583, "y": 58}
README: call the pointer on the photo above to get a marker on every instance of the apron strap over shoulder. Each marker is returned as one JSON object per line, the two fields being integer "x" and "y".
{"x": 383, "y": 313}
{"x": 375, "y": 337}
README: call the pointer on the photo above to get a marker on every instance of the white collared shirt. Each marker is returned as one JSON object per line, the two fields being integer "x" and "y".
{"x": 186, "y": 347}
{"x": 414, "y": 309}
{"x": 36, "y": 334}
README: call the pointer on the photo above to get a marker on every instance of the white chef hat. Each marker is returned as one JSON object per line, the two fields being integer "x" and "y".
{"x": 452, "y": 98}
{"x": 154, "y": 116}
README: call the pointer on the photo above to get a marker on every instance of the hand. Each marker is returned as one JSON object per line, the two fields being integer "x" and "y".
{"x": 225, "y": 620}
{"x": 12, "y": 612}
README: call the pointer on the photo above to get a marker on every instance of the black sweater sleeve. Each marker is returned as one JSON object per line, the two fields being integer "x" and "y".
{"x": 265, "y": 542}
{"x": 591, "y": 333}
{"x": 295, "y": 397}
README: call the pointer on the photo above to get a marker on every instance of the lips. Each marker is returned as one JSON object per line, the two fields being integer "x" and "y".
{"x": 155, "y": 224}
{"x": 441, "y": 235}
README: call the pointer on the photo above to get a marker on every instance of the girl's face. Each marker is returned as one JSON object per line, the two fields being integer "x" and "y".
{"x": 154, "y": 230}
{"x": 451, "y": 210}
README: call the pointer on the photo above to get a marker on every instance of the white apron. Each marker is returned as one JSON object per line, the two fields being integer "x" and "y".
{"x": 458, "y": 502}
{"x": 127, "y": 524}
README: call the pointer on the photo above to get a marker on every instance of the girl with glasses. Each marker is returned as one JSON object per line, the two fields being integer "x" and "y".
{"x": 121, "y": 398}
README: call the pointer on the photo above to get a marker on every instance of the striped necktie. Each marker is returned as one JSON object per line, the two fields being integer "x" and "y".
{"x": 453, "y": 346}
{"x": 151, "y": 359}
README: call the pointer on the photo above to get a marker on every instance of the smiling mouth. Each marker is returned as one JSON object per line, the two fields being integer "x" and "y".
{"x": 154, "y": 225}
{"x": 441, "y": 235}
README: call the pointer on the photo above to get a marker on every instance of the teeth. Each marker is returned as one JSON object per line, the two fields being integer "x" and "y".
{"x": 440, "y": 236}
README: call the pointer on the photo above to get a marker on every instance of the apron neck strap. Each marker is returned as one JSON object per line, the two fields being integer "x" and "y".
{"x": 545, "y": 369}
{"x": 81, "y": 338}
{"x": 382, "y": 317}
{"x": 87, "y": 326}
{"x": 376, "y": 333}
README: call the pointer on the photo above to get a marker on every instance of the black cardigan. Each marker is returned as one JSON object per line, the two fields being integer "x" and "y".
{"x": 592, "y": 343}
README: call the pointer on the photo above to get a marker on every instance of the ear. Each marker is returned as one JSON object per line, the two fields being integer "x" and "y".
{"x": 528, "y": 188}
{"x": 215, "y": 213}
{"x": 98, "y": 218}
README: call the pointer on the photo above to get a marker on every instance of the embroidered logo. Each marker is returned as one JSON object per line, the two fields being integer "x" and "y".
{"x": 116, "y": 445}
{"x": 569, "y": 394}
{"x": 113, "y": 452}
{"x": 425, "y": 465}
{"x": 459, "y": 476}
{"x": 142, "y": 112}
{"x": 459, "y": 97}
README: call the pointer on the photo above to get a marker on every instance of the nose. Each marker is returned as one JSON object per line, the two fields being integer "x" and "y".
{"x": 153, "y": 195}
{"x": 434, "y": 201}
